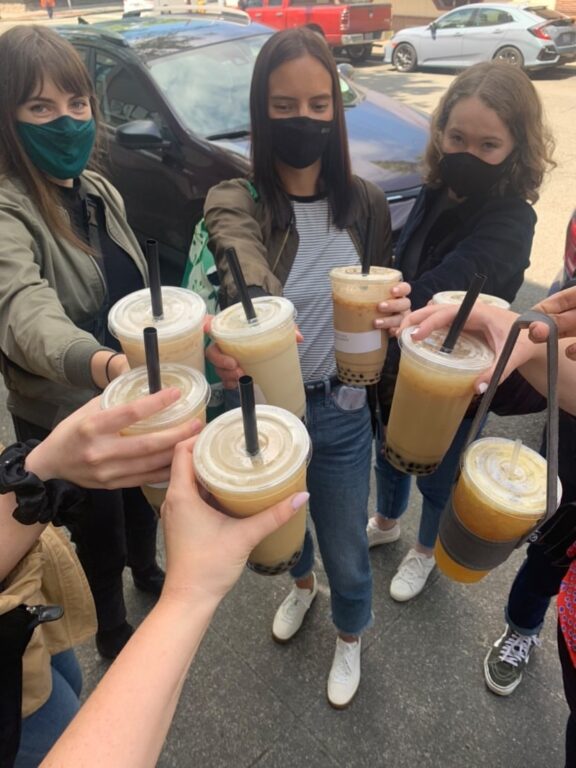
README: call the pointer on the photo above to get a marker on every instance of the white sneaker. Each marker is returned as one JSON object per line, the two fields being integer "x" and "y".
{"x": 290, "y": 614}
{"x": 344, "y": 677}
{"x": 412, "y": 575}
{"x": 377, "y": 536}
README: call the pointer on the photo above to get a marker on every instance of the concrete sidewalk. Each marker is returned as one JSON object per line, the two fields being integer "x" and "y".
{"x": 249, "y": 703}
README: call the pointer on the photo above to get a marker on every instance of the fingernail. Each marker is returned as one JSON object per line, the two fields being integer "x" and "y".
{"x": 378, "y": 323}
{"x": 300, "y": 499}
{"x": 414, "y": 330}
{"x": 482, "y": 387}
{"x": 383, "y": 305}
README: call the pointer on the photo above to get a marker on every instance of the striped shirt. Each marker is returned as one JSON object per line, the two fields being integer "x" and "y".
{"x": 322, "y": 246}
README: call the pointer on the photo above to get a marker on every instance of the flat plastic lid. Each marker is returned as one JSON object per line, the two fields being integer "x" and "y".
{"x": 456, "y": 297}
{"x": 220, "y": 457}
{"x": 183, "y": 311}
{"x": 376, "y": 274}
{"x": 469, "y": 353}
{"x": 271, "y": 312}
{"x": 486, "y": 465}
{"x": 134, "y": 385}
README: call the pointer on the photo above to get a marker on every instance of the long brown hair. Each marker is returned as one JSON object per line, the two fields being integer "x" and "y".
{"x": 28, "y": 55}
{"x": 335, "y": 173}
{"x": 511, "y": 94}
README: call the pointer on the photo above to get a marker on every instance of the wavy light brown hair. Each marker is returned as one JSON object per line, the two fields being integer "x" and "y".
{"x": 29, "y": 55}
{"x": 335, "y": 174}
{"x": 510, "y": 93}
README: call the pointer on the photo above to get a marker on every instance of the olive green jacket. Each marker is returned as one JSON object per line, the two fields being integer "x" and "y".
{"x": 49, "y": 291}
{"x": 235, "y": 220}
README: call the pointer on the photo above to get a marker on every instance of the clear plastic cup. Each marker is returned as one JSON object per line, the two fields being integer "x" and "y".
{"x": 244, "y": 485}
{"x": 433, "y": 391}
{"x": 360, "y": 349}
{"x": 191, "y": 405}
{"x": 494, "y": 503}
{"x": 457, "y": 297}
{"x": 180, "y": 330}
{"x": 265, "y": 350}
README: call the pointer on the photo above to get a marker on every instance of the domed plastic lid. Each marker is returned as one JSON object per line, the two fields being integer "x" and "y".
{"x": 134, "y": 385}
{"x": 271, "y": 311}
{"x": 469, "y": 353}
{"x": 222, "y": 462}
{"x": 376, "y": 274}
{"x": 522, "y": 493}
{"x": 456, "y": 297}
{"x": 183, "y": 310}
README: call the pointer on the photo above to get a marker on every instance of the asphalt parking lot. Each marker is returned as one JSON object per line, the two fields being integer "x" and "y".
{"x": 249, "y": 703}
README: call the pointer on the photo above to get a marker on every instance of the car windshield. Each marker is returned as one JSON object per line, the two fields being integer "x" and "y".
{"x": 209, "y": 87}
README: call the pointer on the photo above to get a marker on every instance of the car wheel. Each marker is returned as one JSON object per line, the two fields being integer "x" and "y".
{"x": 358, "y": 53}
{"x": 509, "y": 55}
{"x": 404, "y": 58}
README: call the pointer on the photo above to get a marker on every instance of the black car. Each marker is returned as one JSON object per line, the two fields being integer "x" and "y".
{"x": 174, "y": 96}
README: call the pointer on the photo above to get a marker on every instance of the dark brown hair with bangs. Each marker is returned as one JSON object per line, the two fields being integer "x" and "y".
{"x": 28, "y": 56}
{"x": 335, "y": 174}
{"x": 511, "y": 94}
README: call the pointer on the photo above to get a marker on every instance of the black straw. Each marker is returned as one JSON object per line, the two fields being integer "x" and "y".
{"x": 238, "y": 277}
{"x": 465, "y": 309}
{"x": 154, "y": 276}
{"x": 248, "y": 405}
{"x": 152, "y": 360}
{"x": 367, "y": 247}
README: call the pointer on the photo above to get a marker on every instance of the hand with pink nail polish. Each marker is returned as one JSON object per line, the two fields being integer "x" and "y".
{"x": 394, "y": 309}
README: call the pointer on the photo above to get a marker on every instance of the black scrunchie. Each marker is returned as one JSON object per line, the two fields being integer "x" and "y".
{"x": 51, "y": 501}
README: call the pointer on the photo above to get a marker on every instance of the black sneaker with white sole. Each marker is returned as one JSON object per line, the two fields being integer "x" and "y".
{"x": 506, "y": 661}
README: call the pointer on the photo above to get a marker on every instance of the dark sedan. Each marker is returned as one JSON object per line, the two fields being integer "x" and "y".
{"x": 173, "y": 91}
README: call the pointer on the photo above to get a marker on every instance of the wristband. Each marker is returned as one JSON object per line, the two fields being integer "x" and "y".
{"x": 107, "y": 369}
{"x": 38, "y": 501}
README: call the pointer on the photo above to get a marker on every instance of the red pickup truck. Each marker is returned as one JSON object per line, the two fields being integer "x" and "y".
{"x": 353, "y": 26}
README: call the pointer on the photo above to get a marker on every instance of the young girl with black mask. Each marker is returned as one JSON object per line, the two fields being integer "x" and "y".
{"x": 485, "y": 161}
{"x": 311, "y": 215}
{"x": 67, "y": 254}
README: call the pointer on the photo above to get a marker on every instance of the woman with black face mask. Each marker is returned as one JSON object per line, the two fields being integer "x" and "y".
{"x": 67, "y": 254}
{"x": 488, "y": 152}
{"x": 311, "y": 215}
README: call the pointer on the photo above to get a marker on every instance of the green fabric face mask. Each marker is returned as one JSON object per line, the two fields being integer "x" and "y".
{"x": 60, "y": 148}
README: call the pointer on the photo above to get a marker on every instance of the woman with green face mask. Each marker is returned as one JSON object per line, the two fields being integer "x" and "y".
{"x": 67, "y": 254}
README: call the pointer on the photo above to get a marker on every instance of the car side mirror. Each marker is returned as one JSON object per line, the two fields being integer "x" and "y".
{"x": 433, "y": 27}
{"x": 140, "y": 134}
{"x": 346, "y": 70}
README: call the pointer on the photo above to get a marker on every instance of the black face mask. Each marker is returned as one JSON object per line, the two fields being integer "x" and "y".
{"x": 300, "y": 141}
{"x": 468, "y": 176}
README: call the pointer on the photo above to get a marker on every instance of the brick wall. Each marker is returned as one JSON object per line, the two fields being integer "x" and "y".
{"x": 566, "y": 6}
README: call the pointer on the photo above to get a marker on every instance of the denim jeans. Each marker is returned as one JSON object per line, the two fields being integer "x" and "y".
{"x": 393, "y": 487}
{"x": 42, "y": 728}
{"x": 338, "y": 483}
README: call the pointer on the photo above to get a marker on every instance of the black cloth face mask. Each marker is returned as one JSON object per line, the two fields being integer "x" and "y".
{"x": 468, "y": 176}
{"x": 300, "y": 141}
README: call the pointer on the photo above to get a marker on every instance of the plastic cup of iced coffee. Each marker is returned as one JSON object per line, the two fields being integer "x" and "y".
{"x": 360, "y": 348}
{"x": 180, "y": 329}
{"x": 245, "y": 484}
{"x": 265, "y": 349}
{"x": 499, "y": 498}
{"x": 133, "y": 385}
{"x": 457, "y": 297}
{"x": 433, "y": 391}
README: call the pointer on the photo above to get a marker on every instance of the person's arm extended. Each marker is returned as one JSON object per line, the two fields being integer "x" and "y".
{"x": 125, "y": 721}
{"x": 529, "y": 358}
{"x": 88, "y": 449}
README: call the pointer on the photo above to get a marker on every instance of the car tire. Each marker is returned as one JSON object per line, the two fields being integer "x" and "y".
{"x": 404, "y": 58}
{"x": 359, "y": 53}
{"x": 510, "y": 55}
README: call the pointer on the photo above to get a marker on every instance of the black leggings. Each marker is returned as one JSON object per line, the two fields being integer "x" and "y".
{"x": 116, "y": 528}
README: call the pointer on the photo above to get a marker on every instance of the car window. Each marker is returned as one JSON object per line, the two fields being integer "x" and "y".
{"x": 456, "y": 20}
{"x": 84, "y": 54}
{"x": 122, "y": 97}
{"x": 490, "y": 17}
{"x": 209, "y": 87}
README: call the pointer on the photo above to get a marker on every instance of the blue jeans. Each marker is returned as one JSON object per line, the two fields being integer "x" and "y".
{"x": 42, "y": 728}
{"x": 338, "y": 483}
{"x": 393, "y": 487}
